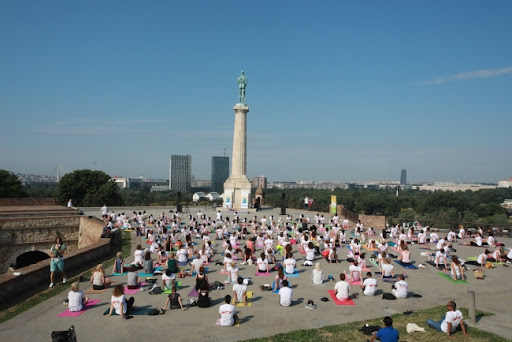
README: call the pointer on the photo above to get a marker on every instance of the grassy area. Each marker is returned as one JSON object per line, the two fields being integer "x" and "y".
{"x": 350, "y": 331}
{"x": 51, "y": 292}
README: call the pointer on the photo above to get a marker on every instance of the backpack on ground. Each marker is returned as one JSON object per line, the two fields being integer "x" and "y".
{"x": 388, "y": 296}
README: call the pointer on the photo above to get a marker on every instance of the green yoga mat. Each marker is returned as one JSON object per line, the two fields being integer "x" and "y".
{"x": 177, "y": 288}
{"x": 444, "y": 275}
{"x": 374, "y": 263}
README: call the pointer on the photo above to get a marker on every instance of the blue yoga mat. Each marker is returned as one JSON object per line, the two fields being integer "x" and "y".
{"x": 408, "y": 266}
{"x": 294, "y": 275}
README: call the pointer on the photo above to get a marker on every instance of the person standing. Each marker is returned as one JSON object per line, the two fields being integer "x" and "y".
{"x": 306, "y": 203}
{"x": 450, "y": 321}
{"x": 388, "y": 333}
{"x": 104, "y": 211}
{"x": 310, "y": 204}
{"x": 57, "y": 260}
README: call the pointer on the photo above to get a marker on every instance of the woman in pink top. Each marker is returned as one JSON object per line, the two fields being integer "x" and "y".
{"x": 405, "y": 255}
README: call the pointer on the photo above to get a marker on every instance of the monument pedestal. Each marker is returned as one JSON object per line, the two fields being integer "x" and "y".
{"x": 237, "y": 192}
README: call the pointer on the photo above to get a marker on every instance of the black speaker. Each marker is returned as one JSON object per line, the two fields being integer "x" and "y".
{"x": 179, "y": 194}
{"x": 283, "y": 204}
{"x": 179, "y": 207}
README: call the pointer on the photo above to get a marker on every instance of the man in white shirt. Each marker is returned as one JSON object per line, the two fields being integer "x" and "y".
{"x": 104, "y": 210}
{"x": 342, "y": 289}
{"x": 450, "y": 321}
{"x": 369, "y": 285}
{"x": 227, "y": 313}
{"x": 285, "y": 294}
{"x": 400, "y": 288}
{"x": 240, "y": 292}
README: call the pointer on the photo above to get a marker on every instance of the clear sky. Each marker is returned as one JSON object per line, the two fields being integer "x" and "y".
{"x": 337, "y": 90}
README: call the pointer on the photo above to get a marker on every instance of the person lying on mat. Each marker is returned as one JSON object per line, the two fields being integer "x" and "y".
{"x": 457, "y": 270}
{"x": 98, "y": 279}
{"x": 342, "y": 289}
{"x": 173, "y": 301}
{"x": 369, "y": 285}
{"x": 76, "y": 298}
{"x": 405, "y": 255}
{"x": 400, "y": 288}
{"x": 387, "y": 269}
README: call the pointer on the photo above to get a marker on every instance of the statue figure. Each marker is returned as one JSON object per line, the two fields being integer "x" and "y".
{"x": 242, "y": 83}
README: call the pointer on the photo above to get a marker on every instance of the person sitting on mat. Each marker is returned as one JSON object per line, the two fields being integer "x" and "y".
{"x": 405, "y": 255}
{"x": 285, "y": 294}
{"x": 477, "y": 241}
{"x": 400, "y": 288}
{"x": 262, "y": 263}
{"x": 119, "y": 304}
{"x": 76, "y": 298}
{"x": 98, "y": 279}
{"x": 201, "y": 279}
{"x": 318, "y": 275}
{"x": 203, "y": 301}
{"x": 227, "y": 313}
{"x": 290, "y": 263}
{"x": 132, "y": 278}
{"x": 457, "y": 271}
{"x": 387, "y": 269}
{"x": 355, "y": 272}
{"x": 342, "y": 289}
{"x": 480, "y": 260}
{"x": 240, "y": 292}
{"x": 173, "y": 301}
{"x": 172, "y": 265}
{"x": 369, "y": 285}
{"x": 168, "y": 280}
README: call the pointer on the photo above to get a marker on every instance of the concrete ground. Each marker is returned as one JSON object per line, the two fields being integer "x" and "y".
{"x": 266, "y": 317}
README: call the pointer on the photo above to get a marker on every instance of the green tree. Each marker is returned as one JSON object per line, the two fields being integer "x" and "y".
{"x": 87, "y": 187}
{"x": 10, "y": 185}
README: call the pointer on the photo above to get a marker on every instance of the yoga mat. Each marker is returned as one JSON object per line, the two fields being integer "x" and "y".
{"x": 217, "y": 323}
{"x": 249, "y": 300}
{"x": 374, "y": 262}
{"x": 146, "y": 274}
{"x": 391, "y": 244}
{"x": 349, "y": 302}
{"x": 366, "y": 269}
{"x": 293, "y": 275}
{"x": 261, "y": 274}
{"x": 356, "y": 283}
{"x": 130, "y": 291}
{"x": 388, "y": 280}
{"x": 158, "y": 268}
{"x": 183, "y": 263}
{"x": 89, "y": 304}
{"x": 432, "y": 263}
{"x": 446, "y": 276}
{"x": 370, "y": 249}
{"x": 118, "y": 274}
{"x": 407, "y": 266}
{"x": 193, "y": 293}
{"x": 92, "y": 291}
{"x": 224, "y": 272}
{"x": 322, "y": 285}
{"x": 178, "y": 284}
{"x": 135, "y": 311}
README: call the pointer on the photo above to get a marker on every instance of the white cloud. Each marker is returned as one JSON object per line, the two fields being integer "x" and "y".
{"x": 468, "y": 75}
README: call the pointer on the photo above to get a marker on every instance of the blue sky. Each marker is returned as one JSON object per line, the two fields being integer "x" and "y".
{"x": 337, "y": 90}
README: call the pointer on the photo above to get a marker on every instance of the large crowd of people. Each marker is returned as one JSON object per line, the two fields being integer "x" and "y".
{"x": 185, "y": 246}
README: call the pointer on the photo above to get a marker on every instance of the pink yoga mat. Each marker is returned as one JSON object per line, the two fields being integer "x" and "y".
{"x": 89, "y": 304}
{"x": 349, "y": 302}
{"x": 193, "y": 293}
{"x": 358, "y": 283}
{"x": 262, "y": 274}
{"x": 134, "y": 291}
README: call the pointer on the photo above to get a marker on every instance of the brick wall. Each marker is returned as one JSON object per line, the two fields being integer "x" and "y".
{"x": 377, "y": 222}
{"x": 90, "y": 231}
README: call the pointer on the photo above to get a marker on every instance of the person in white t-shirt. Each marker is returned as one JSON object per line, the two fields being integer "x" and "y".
{"x": 290, "y": 263}
{"x": 369, "y": 285}
{"x": 318, "y": 275}
{"x": 138, "y": 256}
{"x": 227, "y": 313}
{"x": 387, "y": 269}
{"x": 342, "y": 289}
{"x": 240, "y": 292}
{"x": 400, "y": 288}
{"x": 76, "y": 298}
{"x": 450, "y": 321}
{"x": 119, "y": 304}
{"x": 285, "y": 294}
{"x": 262, "y": 263}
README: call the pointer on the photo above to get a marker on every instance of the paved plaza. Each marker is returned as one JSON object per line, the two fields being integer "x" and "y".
{"x": 265, "y": 317}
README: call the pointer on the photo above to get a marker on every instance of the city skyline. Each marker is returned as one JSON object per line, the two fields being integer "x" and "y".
{"x": 359, "y": 93}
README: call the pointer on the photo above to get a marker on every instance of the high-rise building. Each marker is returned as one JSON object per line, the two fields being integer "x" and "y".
{"x": 220, "y": 173}
{"x": 257, "y": 181}
{"x": 403, "y": 177}
{"x": 180, "y": 173}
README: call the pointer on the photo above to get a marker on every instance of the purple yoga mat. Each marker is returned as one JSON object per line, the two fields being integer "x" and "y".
{"x": 89, "y": 304}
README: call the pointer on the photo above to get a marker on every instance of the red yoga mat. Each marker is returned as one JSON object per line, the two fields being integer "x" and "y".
{"x": 349, "y": 302}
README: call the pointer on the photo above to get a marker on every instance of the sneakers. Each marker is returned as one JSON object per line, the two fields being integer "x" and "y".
{"x": 422, "y": 266}
{"x": 51, "y": 285}
{"x": 64, "y": 280}
{"x": 310, "y": 305}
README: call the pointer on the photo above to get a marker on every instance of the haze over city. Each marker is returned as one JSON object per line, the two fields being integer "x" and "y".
{"x": 337, "y": 90}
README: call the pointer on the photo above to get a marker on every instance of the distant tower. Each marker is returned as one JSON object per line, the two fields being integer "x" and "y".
{"x": 58, "y": 171}
{"x": 180, "y": 173}
{"x": 403, "y": 177}
{"x": 220, "y": 173}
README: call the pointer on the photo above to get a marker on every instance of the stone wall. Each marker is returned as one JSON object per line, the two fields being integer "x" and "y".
{"x": 21, "y": 235}
{"x": 9, "y": 202}
{"x": 377, "y": 222}
{"x": 90, "y": 231}
{"x": 12, "y": 286}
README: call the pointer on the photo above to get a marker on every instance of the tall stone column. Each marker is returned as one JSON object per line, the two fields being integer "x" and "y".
{"x": 237, "y": 188}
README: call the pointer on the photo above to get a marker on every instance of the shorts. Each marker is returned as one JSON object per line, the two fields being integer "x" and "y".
{"x": 57, "y": 265}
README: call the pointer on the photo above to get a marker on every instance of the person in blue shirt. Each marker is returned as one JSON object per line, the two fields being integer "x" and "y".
{"x": 388, "y": 333}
